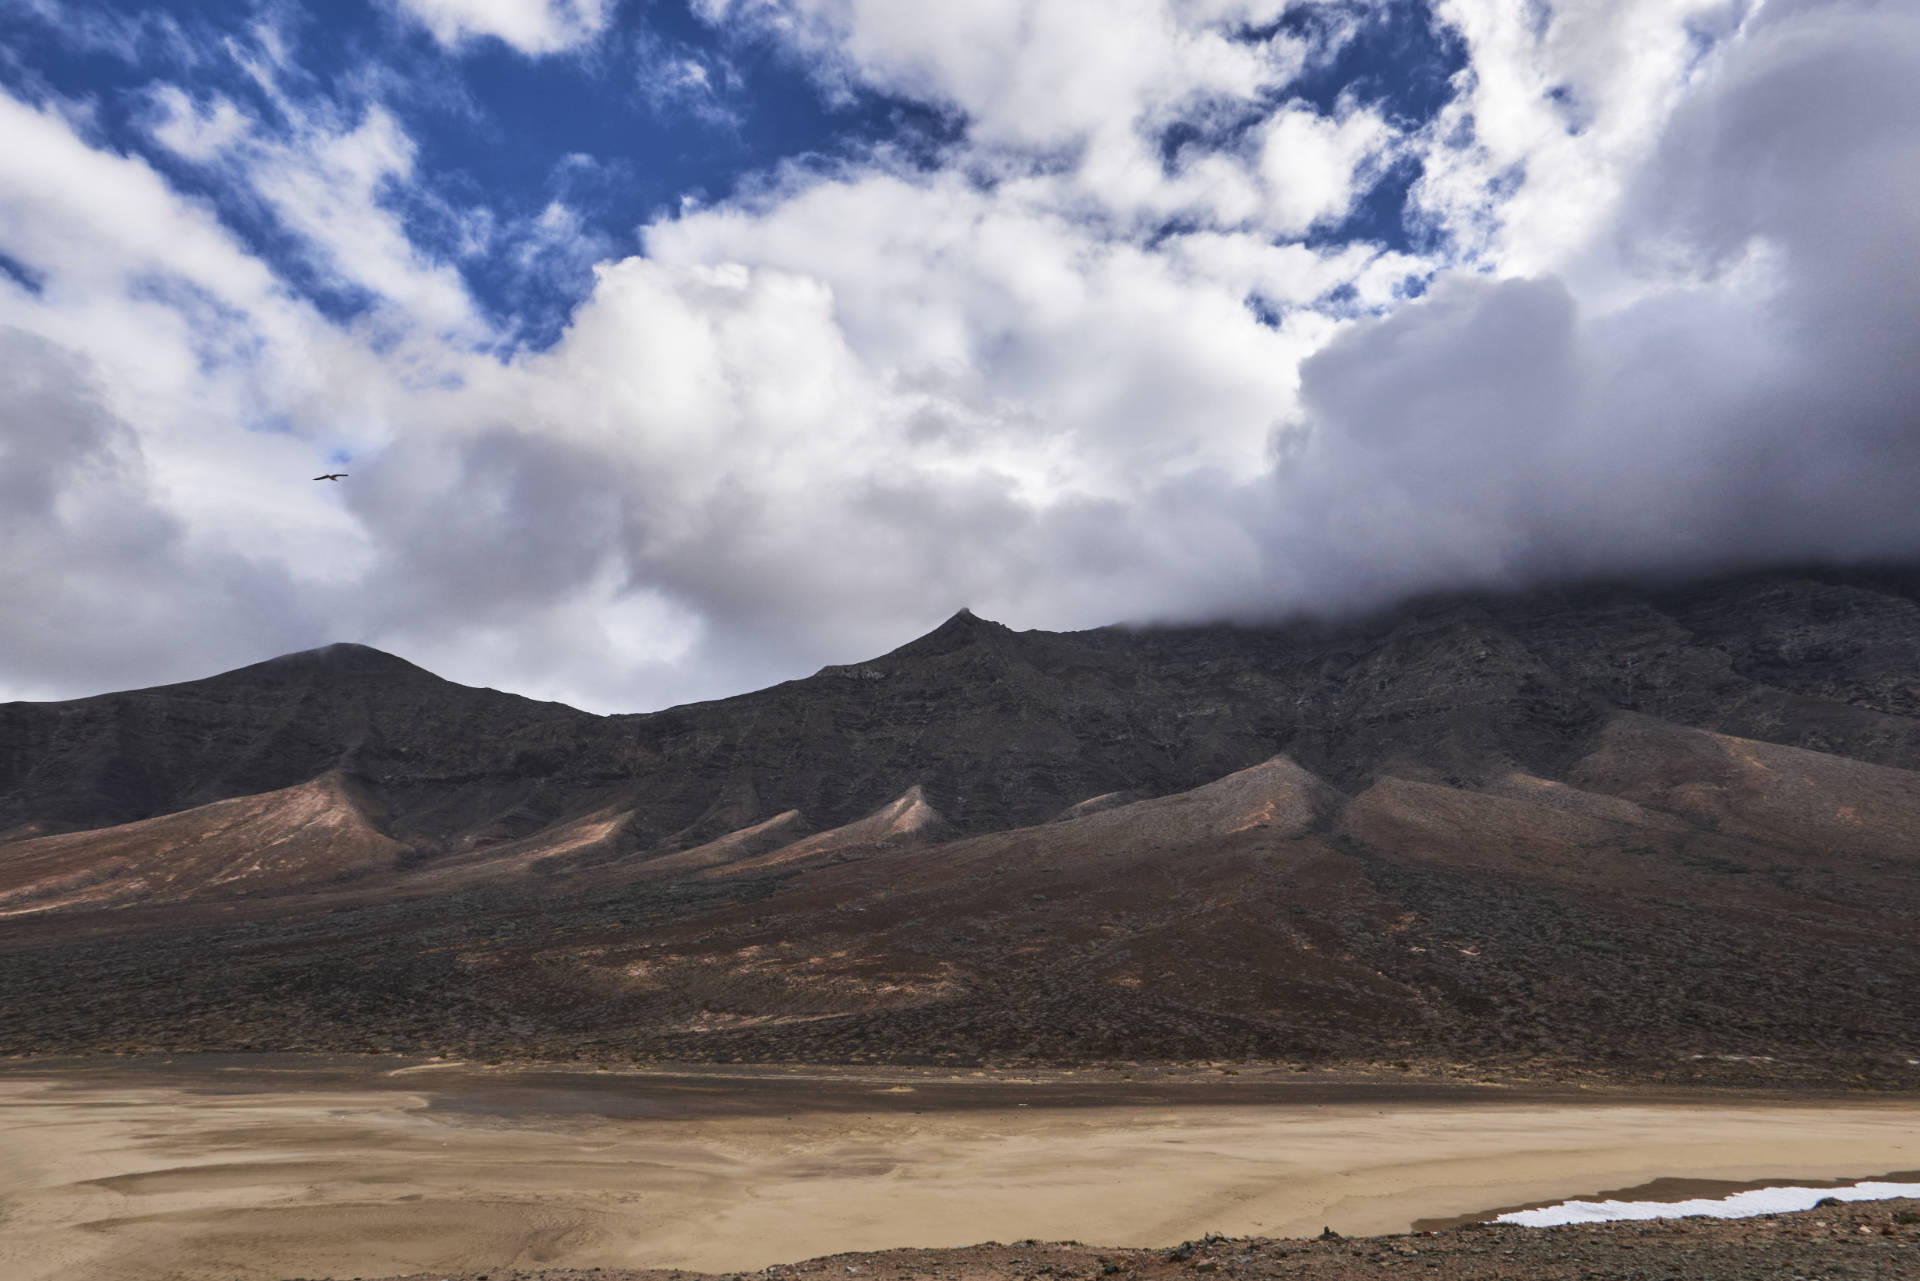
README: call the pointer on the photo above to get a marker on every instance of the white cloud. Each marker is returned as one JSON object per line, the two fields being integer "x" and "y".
{"x": 330, "y": 187}
{"x": 1561, "y": 103}
{"x": 1310, "y": 164}
{"x": 1099, "y": 358}
{"x": 187, "y": 339}
{"x": 195, "y": 132}
{"x": 96, "y": 215}
{"x": 1082, "y": 88}
{"x": 533, "y": 27}
{"x": 1034, "y": 73}
{"x": 678, "y": 79}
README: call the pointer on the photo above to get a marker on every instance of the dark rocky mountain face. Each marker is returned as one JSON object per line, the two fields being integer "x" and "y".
{"x": 1005, "y": 728}
{"x": 1667, "y": 832}
{"x": 120, "y": 757}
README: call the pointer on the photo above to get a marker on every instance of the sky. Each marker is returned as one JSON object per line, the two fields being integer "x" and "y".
{"x": 673, "y": 348}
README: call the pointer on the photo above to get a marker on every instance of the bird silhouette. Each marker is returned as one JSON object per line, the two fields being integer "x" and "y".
{"x": 332, "y": 475}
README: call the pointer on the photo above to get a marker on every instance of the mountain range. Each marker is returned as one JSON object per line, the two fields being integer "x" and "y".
{"x": 1667, "y": 833}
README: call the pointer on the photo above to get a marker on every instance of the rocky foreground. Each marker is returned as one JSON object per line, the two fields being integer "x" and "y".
{"x": 1873, "y": 1239}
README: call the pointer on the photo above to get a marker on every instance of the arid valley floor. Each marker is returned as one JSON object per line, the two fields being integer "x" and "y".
{"x": 263, "y": 1168}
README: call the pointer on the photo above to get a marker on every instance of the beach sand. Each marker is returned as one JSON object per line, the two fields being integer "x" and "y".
{"x": 244, "y": 1171}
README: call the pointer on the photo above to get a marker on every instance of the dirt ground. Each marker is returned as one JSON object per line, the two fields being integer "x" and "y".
{"x": 1873, "y": 1241}
{"x": 279, "y": 1168}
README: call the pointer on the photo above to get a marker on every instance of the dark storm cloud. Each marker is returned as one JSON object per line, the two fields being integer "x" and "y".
{"x": 1729, "y": 379}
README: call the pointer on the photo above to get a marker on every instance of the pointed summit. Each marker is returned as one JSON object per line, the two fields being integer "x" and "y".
{"x": 963, "y": 629}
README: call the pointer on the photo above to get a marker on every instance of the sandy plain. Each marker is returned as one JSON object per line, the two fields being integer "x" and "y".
{"x": 272, "y": 1169}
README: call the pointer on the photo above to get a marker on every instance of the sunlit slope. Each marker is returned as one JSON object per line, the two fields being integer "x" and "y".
{"x": 298, "y": 838}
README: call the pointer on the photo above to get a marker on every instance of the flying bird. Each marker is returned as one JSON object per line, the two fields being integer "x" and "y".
{"x": 332, "y": 475}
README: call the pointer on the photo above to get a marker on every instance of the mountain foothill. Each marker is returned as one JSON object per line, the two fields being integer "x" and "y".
{"x": 1615, "y": 832}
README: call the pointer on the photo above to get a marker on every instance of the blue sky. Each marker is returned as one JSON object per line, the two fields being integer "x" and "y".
{"x": 660, "y": 108}
{"x": 678, "y": 347}
{"x": 612, "y": 130}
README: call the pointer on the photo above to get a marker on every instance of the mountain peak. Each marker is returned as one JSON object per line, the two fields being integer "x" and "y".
{"x": 962, "y": 629}
{"x": 343, "y": 652}
{"x": 342, "y": 658}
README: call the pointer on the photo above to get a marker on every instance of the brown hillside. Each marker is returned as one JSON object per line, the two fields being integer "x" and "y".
{"x": 299, "y": 837}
